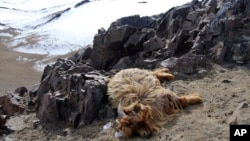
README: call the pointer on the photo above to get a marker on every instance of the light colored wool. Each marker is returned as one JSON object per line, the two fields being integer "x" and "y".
{"x": 146, "y": 103}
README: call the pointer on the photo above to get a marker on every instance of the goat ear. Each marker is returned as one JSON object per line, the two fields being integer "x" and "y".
{"x": 164, "y": 74}
{"x": 145, "y": 113}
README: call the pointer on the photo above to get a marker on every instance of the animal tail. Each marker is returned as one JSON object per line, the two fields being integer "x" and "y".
{"x": 190, "y": 99}
{"x": 164, "y": 74}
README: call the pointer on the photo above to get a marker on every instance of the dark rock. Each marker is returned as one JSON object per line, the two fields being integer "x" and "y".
{"x": 142, "y": 2}
{"x": 173, "y": 20}
{"x": 108, "y": 48}
{"x": 3, "y": 128}
{"x": 74, "y": 94}
{"x": 48, "y": 110}
{"x": 192, "y": 20}
{"x": 226, "y": 81}
{"x": 80, "y": 68}
{"x": 178, "y": 44}
{"x": 118, "y": 34}
{"x": 136, "y": 21}
{"x": 145, "y": 61}
{"x": 170, "y": 63}
{"x": 241, "y": 52}
{"x": 35, "y": 123}
{"x": 206, "y": 20}
{"x": 95, "y": 94}
{"x": 185, "y": 64}
{"x": 148, "y": 63}
{"x": 211, "y": 5}
{"x": 153, "y": 44}
{"x": 33, "y": 91}
{"x": 66, "y": 132}
{"x": 53, "y": 17}
{"x": 65, "y": 64}
{"x": 135, "y": 43}
{"x": 125, "y": 62}
{"x": 223, "y": 10}
{"x": 12, "y": 104}
{"x": 101, "y": 31}
{"x": 46, "y": 72}
{"x": 21, "y": 91}
{"x": 105, "y": 58}
{"x": 82, "y": 55}
{"x": 231, "y": 26}
{"x": 184, "y": 39}
{"x": 81, "y": 3}
{"x": 162, "y": 53}
{"x": 218, "y": 52}
{"x": 125, "y": 37}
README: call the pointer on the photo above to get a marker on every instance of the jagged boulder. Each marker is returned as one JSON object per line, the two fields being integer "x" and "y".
{"x": 184, "y": 39}
{"x": 72, "y": 92}
{"x": 108, "y": 47}
{"x": 137, "y": 22}
{"x": 125, "y": 62}
{"x": 12, "y": 104}
{"x": 135, "y": 43}
{"x": 186, "y": 64}
{"x": 241, "y": 52}
{"x": 3, "y": 128}
{"x": 173, "y": 20}
{"x": 154, "y": 43}
{"x": 21, "y": 91}
{"x": 125, "y": 37}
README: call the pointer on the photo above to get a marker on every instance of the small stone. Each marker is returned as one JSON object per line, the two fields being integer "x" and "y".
{"x": 107, "y": 126}
{"x": 65, "y": 132}
{"x": 35, "y": 123}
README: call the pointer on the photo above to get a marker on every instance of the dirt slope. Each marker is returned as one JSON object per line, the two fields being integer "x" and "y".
{"x": 222, "y": 89}
{"x": 16, "y": 69}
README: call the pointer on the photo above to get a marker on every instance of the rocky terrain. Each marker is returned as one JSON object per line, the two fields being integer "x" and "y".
{"x": 206, "y": 46}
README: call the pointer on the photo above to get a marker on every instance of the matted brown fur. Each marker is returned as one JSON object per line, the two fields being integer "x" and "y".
{"x": 146, "y": 103}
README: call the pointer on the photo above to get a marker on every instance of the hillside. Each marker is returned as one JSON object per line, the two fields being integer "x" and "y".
{"x": 205, "y": 44}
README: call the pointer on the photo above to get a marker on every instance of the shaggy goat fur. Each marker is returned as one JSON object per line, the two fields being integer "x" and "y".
{"x": 145, "y": 102}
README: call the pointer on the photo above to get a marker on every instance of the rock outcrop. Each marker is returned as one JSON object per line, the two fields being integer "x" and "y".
{"x": 72, "y": 92}
{"x": 12, "y": 104}
{"x": 206, "y": 30}
{"x": 184, "y": 39}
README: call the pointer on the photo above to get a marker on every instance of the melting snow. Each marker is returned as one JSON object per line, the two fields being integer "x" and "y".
{"x": 75, "y": 27}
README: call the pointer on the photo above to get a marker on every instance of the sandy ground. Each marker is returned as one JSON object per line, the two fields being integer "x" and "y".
{"x": 16, "y": 69}
{"x": 222, "y": 89}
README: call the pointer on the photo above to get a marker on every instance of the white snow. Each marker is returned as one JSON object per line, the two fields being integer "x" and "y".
{"x": 5, "y": 34}
{"x": 24, "y": 59}
{"x": 75, "y": 28}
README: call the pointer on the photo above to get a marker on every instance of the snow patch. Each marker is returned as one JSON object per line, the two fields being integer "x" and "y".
{"x": 74, "y": 28}
{"x": 5, "y": 34}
